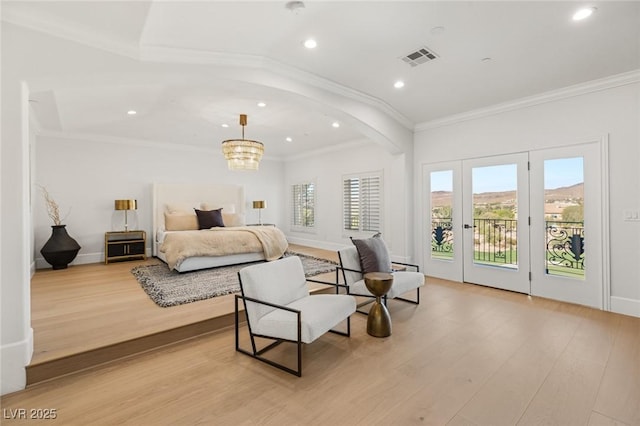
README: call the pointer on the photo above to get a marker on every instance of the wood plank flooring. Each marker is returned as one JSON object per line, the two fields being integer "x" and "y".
{"x": 90, "y": 314}
{"x": 467, "y": 355}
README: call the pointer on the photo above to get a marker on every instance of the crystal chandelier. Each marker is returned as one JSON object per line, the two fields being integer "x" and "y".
{"x": 242, "y": 154}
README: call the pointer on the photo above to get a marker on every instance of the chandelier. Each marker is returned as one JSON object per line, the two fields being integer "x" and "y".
{"x": 242, "y": 154}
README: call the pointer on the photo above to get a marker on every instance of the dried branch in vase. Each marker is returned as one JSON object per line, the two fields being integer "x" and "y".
{"x": 53, "y": 210}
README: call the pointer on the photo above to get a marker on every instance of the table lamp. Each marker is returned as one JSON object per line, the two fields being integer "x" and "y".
{"x": 126, "y": 205}
{"x": 261, "y": 204}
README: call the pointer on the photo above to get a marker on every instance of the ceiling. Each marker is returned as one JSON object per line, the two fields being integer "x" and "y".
{"x": 487, "y": 53}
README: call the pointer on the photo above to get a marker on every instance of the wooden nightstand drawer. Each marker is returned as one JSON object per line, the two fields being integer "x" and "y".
{"x": 124, "y": 245}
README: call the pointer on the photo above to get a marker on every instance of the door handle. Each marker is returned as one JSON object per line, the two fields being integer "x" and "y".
{"x": 466, "y": 226}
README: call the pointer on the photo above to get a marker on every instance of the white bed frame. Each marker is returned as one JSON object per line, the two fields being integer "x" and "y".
{"x": 194, "y": 194}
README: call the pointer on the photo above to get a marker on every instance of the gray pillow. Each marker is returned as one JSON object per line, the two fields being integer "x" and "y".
{"x": 374, "y": 256}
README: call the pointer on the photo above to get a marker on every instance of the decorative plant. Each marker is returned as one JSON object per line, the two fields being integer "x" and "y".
{"x": 53, "y": 210}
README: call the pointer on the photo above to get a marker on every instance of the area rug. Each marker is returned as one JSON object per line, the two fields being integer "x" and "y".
{"x": 170, "y": 288}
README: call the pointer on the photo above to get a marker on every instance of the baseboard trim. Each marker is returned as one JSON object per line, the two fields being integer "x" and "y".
{"x": 623, "y": 305}
{"x": 15, "y": 357}
{"x": 81, "y": 259}
{"x": 315, "y": 243}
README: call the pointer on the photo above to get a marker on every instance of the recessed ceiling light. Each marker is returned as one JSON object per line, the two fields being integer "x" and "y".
{"x": 583, "y": 13}
{"x": 398, "y": 84}
{"x": 225, "y": 125}
{"x": 288, "y": 139}
{"x": 132, "y": 112}
{"x": 310, "y": 43}
{"x": 262, "y": 104}
{"x": 335, "y": 124}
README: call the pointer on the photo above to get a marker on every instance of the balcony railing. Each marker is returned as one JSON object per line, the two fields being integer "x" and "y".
{"x": 565, "y": 248}
{"x": 495, "y": 243}
{"x": 441, "y": 238}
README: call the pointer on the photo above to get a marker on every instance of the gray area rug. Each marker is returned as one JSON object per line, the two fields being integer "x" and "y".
{"x": 170, "y": 288}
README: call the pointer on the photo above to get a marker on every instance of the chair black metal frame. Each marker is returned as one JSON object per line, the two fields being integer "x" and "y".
{"x": 257, "y": 353}
{"x": 372, "y": 297}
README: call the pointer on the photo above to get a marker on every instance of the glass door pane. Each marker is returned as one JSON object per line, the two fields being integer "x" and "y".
{"x": 496, "y": 221}
{"x": 442, "y": 215}
{"x": 495, "y": 215}
{"x": 564, "y": 217}
{"x": 441, "y": 224}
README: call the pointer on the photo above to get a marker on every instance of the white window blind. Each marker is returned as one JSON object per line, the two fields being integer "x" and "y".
{"x": 362, "y": 203}
{"x": 303, "y": 205}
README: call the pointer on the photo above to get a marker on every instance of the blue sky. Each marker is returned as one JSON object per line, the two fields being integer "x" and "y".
{"x": 563, "y": 172}
{"x": 557, "y": 174}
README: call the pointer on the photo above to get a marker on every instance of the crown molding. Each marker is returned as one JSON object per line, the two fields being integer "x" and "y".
{"x": 143, "y": 143}
{"x": 68, "y": 32}
{"x": 149, "y": 53}
{"x": 329, "y": 149}
{"x": 339, "y": 89}
{"x": 551, "y": 96}
{"x": 166, "y": 54}
{"x": 90, "y": 137}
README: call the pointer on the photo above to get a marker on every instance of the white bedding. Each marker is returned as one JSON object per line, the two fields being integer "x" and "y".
{"x": 207, "y": 197}
{"x": 223, "y": 241}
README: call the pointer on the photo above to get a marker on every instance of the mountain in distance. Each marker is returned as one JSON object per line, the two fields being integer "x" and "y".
{"x": 565, "y": 193}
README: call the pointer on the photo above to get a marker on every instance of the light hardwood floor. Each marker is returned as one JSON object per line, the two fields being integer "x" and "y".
{"x": 467, "y": 355}
{"x": 91, "y": 306}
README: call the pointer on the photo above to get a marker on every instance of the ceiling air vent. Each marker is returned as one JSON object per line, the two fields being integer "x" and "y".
{"x": 419, "y": 56}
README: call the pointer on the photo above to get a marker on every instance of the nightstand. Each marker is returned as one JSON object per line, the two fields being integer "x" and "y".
{"x": 124, "y": 245}
{"x": 261, "y": 224}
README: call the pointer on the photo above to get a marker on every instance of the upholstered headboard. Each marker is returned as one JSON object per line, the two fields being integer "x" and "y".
{"x": 228, "y": 196}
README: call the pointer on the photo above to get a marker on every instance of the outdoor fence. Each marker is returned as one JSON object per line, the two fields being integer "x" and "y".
{"x": 495, "y": 243}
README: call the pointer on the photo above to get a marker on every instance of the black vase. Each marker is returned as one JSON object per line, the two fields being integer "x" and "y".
{"x": 60, "y": 249}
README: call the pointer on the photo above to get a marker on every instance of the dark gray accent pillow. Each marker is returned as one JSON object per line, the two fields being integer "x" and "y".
{"x": 209, "y": 218}
{"x": 374, "y": 256}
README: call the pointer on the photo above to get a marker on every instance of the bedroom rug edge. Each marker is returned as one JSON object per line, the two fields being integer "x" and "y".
{"x": 170, "y": 288}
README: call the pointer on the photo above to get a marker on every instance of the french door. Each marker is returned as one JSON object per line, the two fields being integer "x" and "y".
{"x": 495, "y": 193}
{"x": 527, "y": 222}
{"x": 443, "y": 220}
{"x": 567, "y": 234}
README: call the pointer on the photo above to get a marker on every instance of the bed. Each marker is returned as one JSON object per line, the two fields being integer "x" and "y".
{"x": 178, "y": 242}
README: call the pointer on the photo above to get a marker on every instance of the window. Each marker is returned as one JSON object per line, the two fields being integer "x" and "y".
{"x": 362, "y": 203}
{"x": 303, "y": 201}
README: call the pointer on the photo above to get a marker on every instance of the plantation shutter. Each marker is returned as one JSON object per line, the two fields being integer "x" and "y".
{"x": 370, "y": 203}
{"x": 351, "y": 203}
{"x": 303, "y": 205}
{"x": 362, "y": 203}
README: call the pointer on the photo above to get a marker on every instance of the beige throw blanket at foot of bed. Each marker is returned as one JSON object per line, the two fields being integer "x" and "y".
{"x": 222, "y": 242}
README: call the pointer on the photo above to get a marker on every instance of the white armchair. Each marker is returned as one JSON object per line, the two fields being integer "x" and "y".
{"x": 403, "y": 281}
{"x": 278, "y": 306}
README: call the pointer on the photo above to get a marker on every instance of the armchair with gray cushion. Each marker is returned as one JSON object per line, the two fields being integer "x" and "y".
{"x": 279, "y": 307}
{"x": 371, "y": 255}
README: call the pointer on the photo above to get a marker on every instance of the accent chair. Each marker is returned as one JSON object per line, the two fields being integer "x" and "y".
{"x": 279, "y": 307}
{"x": 404, "y": 281}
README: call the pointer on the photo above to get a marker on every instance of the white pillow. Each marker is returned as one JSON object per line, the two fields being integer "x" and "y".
{"x": 232, "y": 219}
{"x": 181, "y": 208}
{"x": 180, "y": 222}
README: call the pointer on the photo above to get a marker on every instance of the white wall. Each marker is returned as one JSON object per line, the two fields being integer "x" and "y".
{"x": 583, "y": 118}
{"x": 16, "y": 334}
{"x": 86, "y": 176}
{"x": 327, "y": 169}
